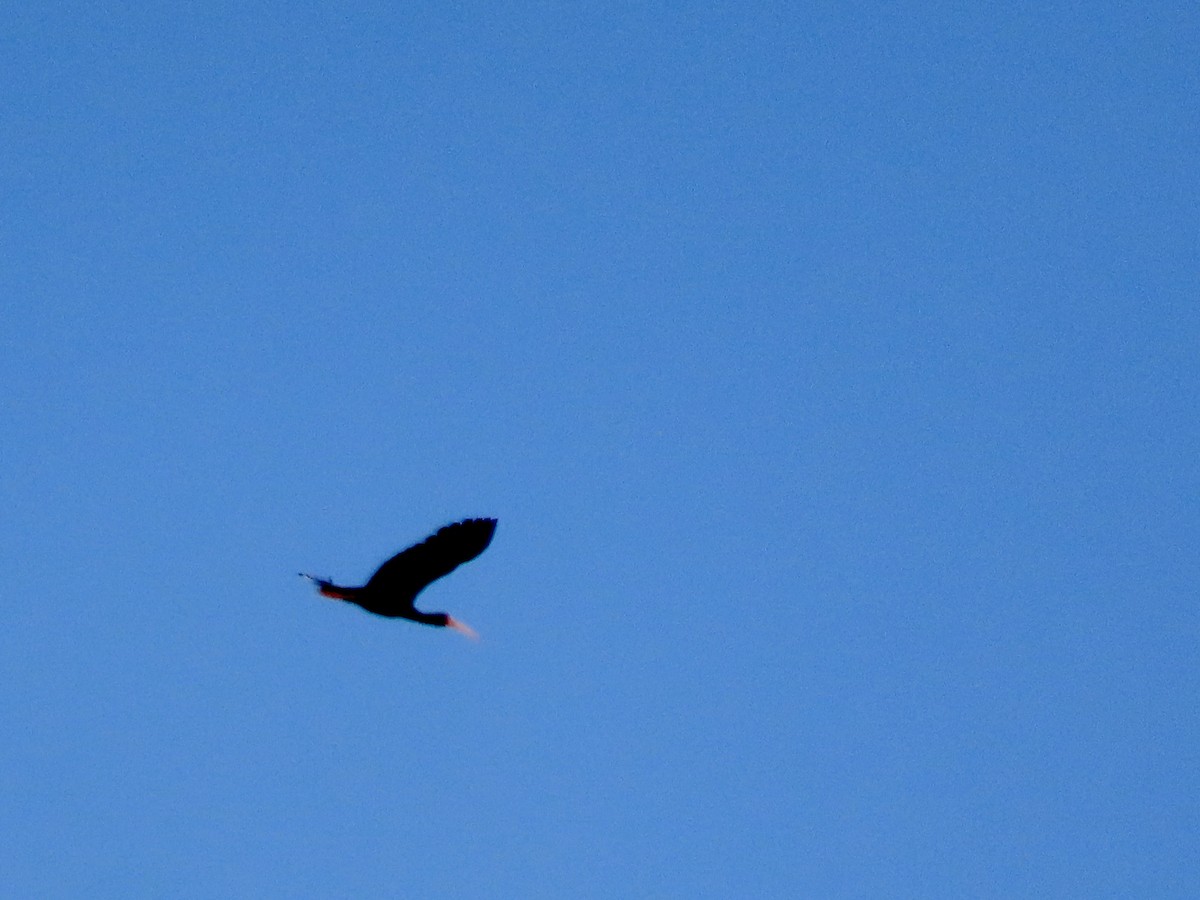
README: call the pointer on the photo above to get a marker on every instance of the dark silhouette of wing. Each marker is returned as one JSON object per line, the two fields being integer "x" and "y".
{"x": 411, "y": 570}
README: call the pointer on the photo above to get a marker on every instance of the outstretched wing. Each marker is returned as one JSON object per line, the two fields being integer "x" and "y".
{"x": 409, "y": 571}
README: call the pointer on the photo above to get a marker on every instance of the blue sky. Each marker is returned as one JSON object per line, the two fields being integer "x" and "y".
{"x": 832, "y": 371}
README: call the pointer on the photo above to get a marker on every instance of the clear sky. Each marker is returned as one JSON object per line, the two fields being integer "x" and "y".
{"x": 832, "y": 370}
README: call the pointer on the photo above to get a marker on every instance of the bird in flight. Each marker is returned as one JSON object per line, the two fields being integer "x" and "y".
{"x": 393, "y": 589}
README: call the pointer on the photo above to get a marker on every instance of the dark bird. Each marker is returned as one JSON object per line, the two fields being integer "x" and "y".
{"x": 393, "y": 589}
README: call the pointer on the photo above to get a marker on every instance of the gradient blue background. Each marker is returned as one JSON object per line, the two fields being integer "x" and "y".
{"x": 831, "y": 369}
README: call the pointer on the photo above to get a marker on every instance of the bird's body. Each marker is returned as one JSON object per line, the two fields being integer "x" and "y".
{"x": 392, "y": 590}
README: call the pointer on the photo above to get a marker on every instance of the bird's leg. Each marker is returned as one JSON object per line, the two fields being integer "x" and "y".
{"x": 461, "y": 627}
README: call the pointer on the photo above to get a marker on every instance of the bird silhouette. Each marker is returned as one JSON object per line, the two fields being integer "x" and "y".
{"x": 392, "y": 590}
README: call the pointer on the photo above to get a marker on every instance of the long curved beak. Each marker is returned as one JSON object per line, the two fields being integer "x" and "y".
{"x": 461, "y": 627}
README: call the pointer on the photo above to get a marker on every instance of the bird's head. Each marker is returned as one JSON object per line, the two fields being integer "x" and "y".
{"x": 327, "y": 588}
